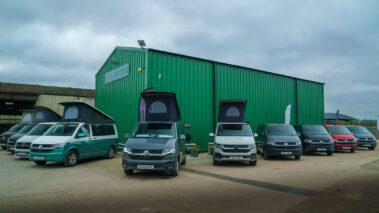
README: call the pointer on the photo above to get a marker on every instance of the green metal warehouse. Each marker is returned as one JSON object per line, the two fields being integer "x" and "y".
{"x": 199, "y": 85}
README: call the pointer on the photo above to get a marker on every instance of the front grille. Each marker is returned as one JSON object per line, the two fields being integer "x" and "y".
{"x": 285, "y": 143}
{"x": 41, "y": 150}
{"x": 22, "y": 145}
{"x": 145, "y": 157}
{"x": 42, "y": 145}
{"x": 345, "y": 141}
{"x": 11, "y": 142}
{"x": 152, "y": 151}
{"x": 236, "y": 150}
{"x": 44, "y": 148}
{"x": 236, "y": 146}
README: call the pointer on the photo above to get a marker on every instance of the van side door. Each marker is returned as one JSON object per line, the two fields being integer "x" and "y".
{"x": 83, "y": 141}
{"x": 104, "y": 136}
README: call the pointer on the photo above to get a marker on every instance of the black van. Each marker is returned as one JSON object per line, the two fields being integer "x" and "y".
{"x": 278, "y": 140}
{"x": 315, "y": 138}
{"x": 156, "y": 142}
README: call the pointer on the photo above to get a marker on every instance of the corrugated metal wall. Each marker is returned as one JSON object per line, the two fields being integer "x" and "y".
{"x": 119, "y": 98}
{"x": 311, "y": 102}
{"x": 191, "y": 80}
{"x": 200, "y": 85}
{"x": 267, "y": 95}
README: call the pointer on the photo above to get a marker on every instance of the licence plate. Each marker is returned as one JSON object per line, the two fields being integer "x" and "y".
{"x": 145, "y": 166}
{"x": 38, "y": 158}
{"x": 286, "y": 153}
{"x": 346, "y": 147}
{"x": 321, "y": 149}
{"x": 235, "y": 157}
{"x": 366, "y": 144}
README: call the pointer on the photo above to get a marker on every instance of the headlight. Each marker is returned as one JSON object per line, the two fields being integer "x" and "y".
{"x": 251, "y": 146}
{"x": 307, "y": 140}
{"x": 168, "y": 151}
{"x": 355, "y": 140}
{"x": 271, "y": 143}
{"x": 219, "y": 145}
{"x": 58, "y": 145}
{"x": 331, "y": 140}
{"x": 299, "y": 143}
{"x": 127, "y": 150}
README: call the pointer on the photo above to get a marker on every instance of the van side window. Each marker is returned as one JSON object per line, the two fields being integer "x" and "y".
{"x": 84, "y": 129}
{"x": 102, "y": 129}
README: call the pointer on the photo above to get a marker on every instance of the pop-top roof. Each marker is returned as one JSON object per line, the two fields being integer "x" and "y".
{"x": 232, "y": 111}
{"x": 45, "y": 114}
{"x": 158, "y": 107}
{"x": 82, "y": 112}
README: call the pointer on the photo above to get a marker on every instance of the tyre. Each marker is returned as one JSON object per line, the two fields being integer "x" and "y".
{"x": 110, "y": 153}
{"x": 253, "y": 163}
{"x": 352, "y": 150}
{"x": 297, "y": 157}
{"x": 329, "y": 153}
{"x": 216, "y": 163}
{"x": 71, "y": 158}
{"x": 128, "y": 171}
{"x": 371, "y": 148}
{"x": 40, "y": 162}
{"x": 175, "y": 172}
{"x": 265, "y": 155}
{"x": 184, "y": 161}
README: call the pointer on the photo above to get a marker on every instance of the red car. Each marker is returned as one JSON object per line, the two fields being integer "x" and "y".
{"x": 344, "y": 140}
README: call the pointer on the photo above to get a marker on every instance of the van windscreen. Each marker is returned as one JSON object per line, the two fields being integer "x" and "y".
{"x": 62, "y": 130}
{"x": 338, "y": 130}
{"x": 359, "y": 130}
{"x": 234, "y": 130}
{"x": 154, "y": 130}
{"x": 16, "y": 128}
{"x": 280, "y": 130}
{"x": 314, "y": 130}
{"x": 39, "y": 129}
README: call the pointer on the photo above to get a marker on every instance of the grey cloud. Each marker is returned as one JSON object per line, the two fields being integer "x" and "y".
{"x": 65, "y": 42}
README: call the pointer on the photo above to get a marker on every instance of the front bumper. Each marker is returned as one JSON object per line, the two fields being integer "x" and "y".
{"x": 318, "y": 147}
{"x": 3, "y": 142}
{"x": 56, "y": 155}
{"x": 283, "y": 150}
{"x": 167, "y": 163}
{"x": 10, "y": 146}
{"x": 220, "y": 155}
{"x": 22, "y": 153}
{"x": 366, "y": 144}
{"x": 345, "y": 146}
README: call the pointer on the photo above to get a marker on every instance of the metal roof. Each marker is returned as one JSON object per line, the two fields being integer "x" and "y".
{"x": 47, "y": 90}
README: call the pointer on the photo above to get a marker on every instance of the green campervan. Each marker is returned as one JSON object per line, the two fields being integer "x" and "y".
{"x": 85, "y": 132}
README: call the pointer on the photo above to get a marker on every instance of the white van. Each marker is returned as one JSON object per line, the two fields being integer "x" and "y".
{"x": 234, "y": 139}
{"x": 23, "y": 144}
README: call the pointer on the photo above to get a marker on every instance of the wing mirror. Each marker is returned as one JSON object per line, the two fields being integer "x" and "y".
{"x": 182, "y": 137}
{"x": 127, "y": 135}
{"x": 211, "y": 134}
{"x": 255, "y": 135}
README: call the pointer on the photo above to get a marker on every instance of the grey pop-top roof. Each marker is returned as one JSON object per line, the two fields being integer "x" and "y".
{"x": 83, "y": 112}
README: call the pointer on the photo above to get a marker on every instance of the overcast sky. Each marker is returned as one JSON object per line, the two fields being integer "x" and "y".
{"x": 64, "y": 43}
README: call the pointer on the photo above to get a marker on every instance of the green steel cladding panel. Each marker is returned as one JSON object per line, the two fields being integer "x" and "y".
{"x": 119, "y": 98}
{"x": 191, "y": 80}
{"x": 267, "y": 94}
{"x": 311, "y": 102}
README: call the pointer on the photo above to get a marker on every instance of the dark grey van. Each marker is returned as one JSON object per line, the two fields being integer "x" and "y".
{"x": 278, "y": 140}
{"x": 156, "y": 142}
{"x": 315, "y": 138}
{"x": 365, "y": 138}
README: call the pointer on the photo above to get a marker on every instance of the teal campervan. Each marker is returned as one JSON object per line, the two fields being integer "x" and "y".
{"x": 85, "y": 132}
